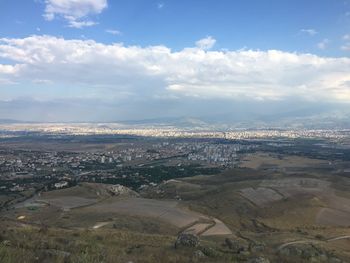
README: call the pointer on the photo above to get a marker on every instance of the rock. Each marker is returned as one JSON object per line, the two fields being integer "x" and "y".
{"x": 256, "y": 247}
{"x": 199, "y": 254}
{"x": 6, "y": 243}
{"x": 121, "y": 190}
{"x": 211, "y": 252}
{"x": 259, "y": 260}
{"x": 291, "y": 251}
{"x": 186, "y": 240}
{"x": 235, "y": 245}
{"x": 308, "y": 252}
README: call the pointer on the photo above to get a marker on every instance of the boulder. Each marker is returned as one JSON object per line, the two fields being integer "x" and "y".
{"x": 235, "y": 245}
{"x": 256, "y": 247}
{"x": 186, "y": 240}
{"x": 199, "y": 254}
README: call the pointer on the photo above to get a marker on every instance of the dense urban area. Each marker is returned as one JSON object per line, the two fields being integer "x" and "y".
{"x": 143, "y": 157}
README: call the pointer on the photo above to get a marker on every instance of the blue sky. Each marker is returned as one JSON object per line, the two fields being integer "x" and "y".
{"x": 253, "y": 24}
{"x": 126, "y": 55}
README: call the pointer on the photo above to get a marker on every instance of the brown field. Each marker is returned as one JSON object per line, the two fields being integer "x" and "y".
{"x": 257, "y": 160}
{"x": 261, "y": 196}
{"x": 89, "y": 205}
{"x": 333, "y": 217}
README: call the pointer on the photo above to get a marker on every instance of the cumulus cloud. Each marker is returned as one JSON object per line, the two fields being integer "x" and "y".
{"x": 75, "y": 12}
{"x": 116, "y": 71}
{"x": 206, "y": 43}
{"x": 309, "y": 31}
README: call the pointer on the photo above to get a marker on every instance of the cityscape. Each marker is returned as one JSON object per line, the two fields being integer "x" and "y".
{"x": 162, "y": 131}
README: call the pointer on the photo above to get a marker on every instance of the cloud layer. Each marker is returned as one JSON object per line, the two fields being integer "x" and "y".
{"x": 75, "y": 12}
{"x": 119, "y": 72}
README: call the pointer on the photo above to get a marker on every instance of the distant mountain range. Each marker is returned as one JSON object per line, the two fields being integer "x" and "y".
{"x": 302, "y": 119}
{"x": 9, "y": 121}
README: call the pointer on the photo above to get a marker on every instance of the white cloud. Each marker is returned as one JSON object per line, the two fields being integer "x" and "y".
{"x": 206, "y": 43}
{"x": 160, "y": 5}
{"x": 81, "y": 24}
{"x": 9, "y": 69}
{"x": 113, "y": 31}
{"x": 346, "y": 37}
{"x": 75, "y": 12}
{"x": 323, "y": 44}
{"x": 118, "y": 71}
{"x": 309, "y": 31}
{"x": 8, "y": 72}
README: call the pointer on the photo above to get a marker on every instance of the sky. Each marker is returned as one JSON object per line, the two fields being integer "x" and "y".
{"x": 110, "y": 60}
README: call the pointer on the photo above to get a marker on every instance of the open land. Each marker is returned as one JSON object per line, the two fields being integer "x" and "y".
{"x": 131, "y": 199}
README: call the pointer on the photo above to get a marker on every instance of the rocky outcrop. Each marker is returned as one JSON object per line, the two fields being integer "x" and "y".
{"x": 309, "y": 252}
{"x": 198, "y": 254}
{"x": 256, "y": 247}
{"x": 120, "y": 190}
{"x": 186, "y": 240}
{"x": 235, "y": 245}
